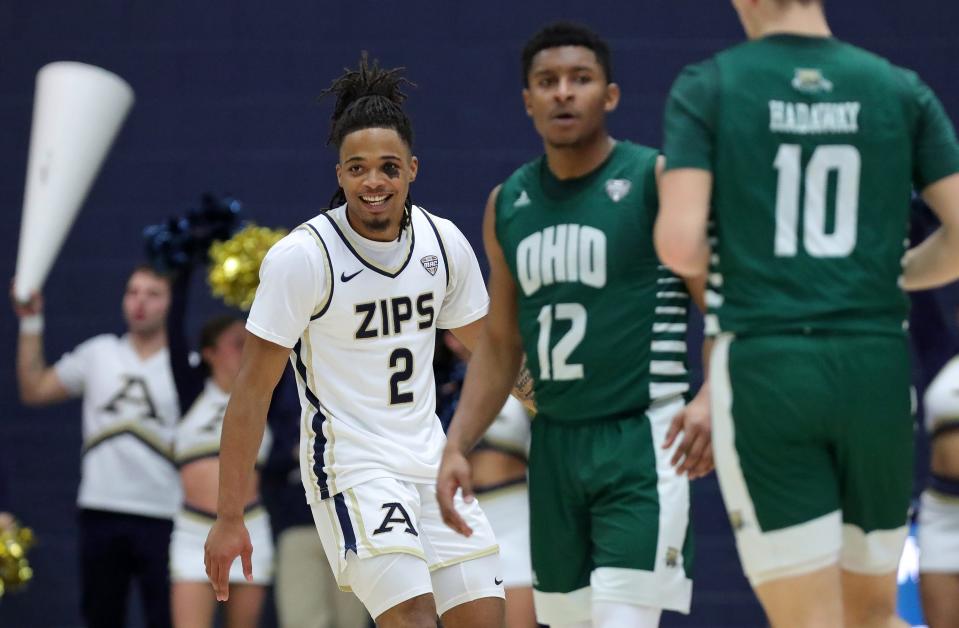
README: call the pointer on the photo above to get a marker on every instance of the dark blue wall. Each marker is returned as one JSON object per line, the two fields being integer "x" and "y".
{"x": 226, "y": 102}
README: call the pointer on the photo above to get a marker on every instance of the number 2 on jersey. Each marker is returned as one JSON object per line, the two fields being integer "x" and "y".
{"x": 406, "y": 357}
{"x": 552, "y": 362}
{"x": 845, "y": 161}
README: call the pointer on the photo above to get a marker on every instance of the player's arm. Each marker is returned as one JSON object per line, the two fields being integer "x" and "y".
{"x": 243, "y": 425}
{"x": 469, "y": 335}
{"x": 690, "y": 432}
{"x": 492, "y": 371}
{"x": 695, "y": 284}
{"x": 935, "y": 261}
{"x": 292, "y": 281}
{"x": 694, "y": 453}
{"x": 497, "y": 354}
{"x": 681, "y": 226}
{"x": 38, "y": 382}
{"x": 692, "y": 426}
{"x": 685, "y": 188}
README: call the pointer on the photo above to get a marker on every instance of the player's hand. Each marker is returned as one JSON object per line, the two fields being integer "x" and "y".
{"x": 694, "y": 453}
{"x": 31, "y": 308}
{"x": 227, "y": 539}
{"x": 455, "y": 473}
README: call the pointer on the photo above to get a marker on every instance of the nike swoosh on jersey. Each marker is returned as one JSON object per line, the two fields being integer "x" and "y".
{"x": 497, "y": 581}
{"x": 344, "y": 277}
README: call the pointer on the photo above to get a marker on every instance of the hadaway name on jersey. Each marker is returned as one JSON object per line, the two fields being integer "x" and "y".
{"x": 562, "y": 253}
{"x": 801, "y": 118}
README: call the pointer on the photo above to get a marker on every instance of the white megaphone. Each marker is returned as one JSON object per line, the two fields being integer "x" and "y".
{"x": 77, "y": 111}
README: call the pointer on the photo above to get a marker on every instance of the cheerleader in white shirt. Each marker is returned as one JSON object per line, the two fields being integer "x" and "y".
{"x": 205, "y": 390}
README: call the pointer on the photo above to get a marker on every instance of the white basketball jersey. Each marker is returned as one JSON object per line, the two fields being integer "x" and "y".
{"x": 364, "y": 360}
{"x": 941, "y": 402}
{"x": 198, "y": 434}
{"x": 129, "y": 417}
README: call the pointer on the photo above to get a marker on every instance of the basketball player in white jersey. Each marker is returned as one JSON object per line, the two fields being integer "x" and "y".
{"x": 357, "y": 293}
{"x": 129, "y": 490}
{"x": 939, "y": 509}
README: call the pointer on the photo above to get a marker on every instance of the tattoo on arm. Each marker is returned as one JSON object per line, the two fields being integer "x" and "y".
{"x": 523, "y": 388}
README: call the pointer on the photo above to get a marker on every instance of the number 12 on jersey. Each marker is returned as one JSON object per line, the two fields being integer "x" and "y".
{"x": 553, "y": 362}
{"x": 844, "y": 160}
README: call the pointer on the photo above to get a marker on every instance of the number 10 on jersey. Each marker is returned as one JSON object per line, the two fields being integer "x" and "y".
{"x": 845, "y": 162}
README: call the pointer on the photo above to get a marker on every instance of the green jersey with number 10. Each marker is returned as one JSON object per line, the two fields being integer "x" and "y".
{"x": 603, "y": 322}
{"x": 815, "y": 147}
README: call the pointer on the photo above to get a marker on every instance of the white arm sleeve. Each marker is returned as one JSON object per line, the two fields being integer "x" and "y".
{"x": 74, "y": 366}
{"x": 466, "y": 299}
{"x": 292, "y": 282}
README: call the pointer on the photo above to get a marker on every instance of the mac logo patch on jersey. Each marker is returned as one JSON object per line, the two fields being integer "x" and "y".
{"x": 618, "y": 189}
{"x": 811, "y": 81}
{"x": 430, "y": 263}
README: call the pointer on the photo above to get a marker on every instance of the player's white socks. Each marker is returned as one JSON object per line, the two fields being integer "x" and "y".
{"x": 617, "y": 615}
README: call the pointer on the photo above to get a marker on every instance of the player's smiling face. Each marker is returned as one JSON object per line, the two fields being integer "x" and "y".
{"x": 375, "y": 170}
{"x": 569, "y": 96}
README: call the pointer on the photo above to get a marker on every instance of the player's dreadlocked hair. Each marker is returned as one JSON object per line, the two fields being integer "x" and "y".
{"x": 566, "y": 34}
{"x": 369, "y": 97}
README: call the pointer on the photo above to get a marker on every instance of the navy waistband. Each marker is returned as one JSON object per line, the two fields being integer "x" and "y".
{"x": 212, "y": 515}
{"x": 944, "y": 428}
{"x": 944, "y": 485}
{"x": 485, "y": 445}
{"x": 479, "y": 490}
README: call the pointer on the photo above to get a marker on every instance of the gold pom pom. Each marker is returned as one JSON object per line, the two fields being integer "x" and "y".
{"x": 235, "y": 264}
{"x": 15, "y": 570}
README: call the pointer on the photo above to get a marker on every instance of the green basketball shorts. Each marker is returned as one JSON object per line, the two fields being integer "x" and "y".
{"x": 813, "y": 440}
{"x": 609, "y": 517}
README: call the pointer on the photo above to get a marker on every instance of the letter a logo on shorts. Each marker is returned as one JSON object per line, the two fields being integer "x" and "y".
{"x": 391, "y": 517}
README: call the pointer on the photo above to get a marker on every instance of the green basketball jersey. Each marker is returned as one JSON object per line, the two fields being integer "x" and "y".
{"x": 603, "y": 322}
{"x": 815, "y": 148}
